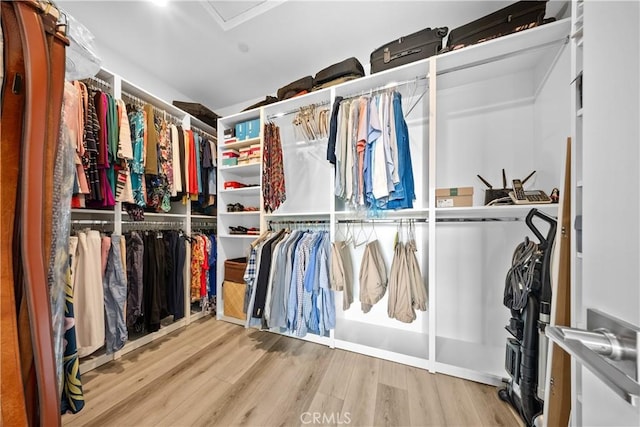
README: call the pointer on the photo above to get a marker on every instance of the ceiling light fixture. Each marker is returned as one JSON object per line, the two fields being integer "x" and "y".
{"x": 160, "y": 3}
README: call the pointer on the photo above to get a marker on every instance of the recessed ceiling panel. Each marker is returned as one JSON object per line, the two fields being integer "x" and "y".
{"x": 229, "y": 14}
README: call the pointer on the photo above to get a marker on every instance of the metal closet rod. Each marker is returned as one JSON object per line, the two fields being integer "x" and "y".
{"x": 297, "y": 110}
{"x": 393, "y": 85}
{"x": 98, "y": 81}
{"x": 200, "y": 131}
{"x": 311, "y": 221}
{"x": 382, "y": 220}
{"x": 203, "y": 225}
{"x": 91, "y": 221}
{"x": 142, "y": 223}
{"x": 156, "y": 109}
{"x": 471, "y": 219}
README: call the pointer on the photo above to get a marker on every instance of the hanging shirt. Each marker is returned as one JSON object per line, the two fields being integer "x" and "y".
{"x": 374, "y": 130}
{"x": 404, "y": 159}
{"x": 176, "y": 163}
{"x": 151, "y": 149}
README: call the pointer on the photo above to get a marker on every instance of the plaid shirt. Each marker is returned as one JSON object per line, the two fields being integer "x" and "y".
{"x": 249, "y": 277}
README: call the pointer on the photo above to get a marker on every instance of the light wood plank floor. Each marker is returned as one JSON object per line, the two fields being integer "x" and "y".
{"x": 215, "y": 373}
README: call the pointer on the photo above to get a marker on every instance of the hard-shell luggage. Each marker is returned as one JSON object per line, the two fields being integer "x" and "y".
{"x": 300, "y": 86}
{"x": 419, "y": 45}
{"x": 516, "y": 17}
{"x": 350, "y": 67}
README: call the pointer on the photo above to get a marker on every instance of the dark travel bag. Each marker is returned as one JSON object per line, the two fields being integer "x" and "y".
{"x": 350, "y": 67}
{"x": 411, "y": 48}
{"x": 267, "y": 100}
{"x": 300, "y": 86}
{"x": 199, "y": 111}
{"x": 516, "y": 17}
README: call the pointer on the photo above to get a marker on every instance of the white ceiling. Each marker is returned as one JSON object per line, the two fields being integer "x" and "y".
{"x": 226, "y": 53}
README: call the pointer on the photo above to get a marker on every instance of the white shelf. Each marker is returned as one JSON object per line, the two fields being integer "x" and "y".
{"x": 245, "y": 191}
{"x": 505, "y": 55}
{"x": 579, "y": 183}
{"x": 92, "y": 362}
{"x": 231, "y": 319}
{"x": 579, "y": 255}
{"x": 239, "y": 236}
{"x": 472, "y": 356}
{"x": 384, "y": 338}
{"x": 392, "y": 214}
{"x": 92, "y": 211}
{"x": 579, "y": 112}
{"x": 165, "y": 215}
{"x": 494, "y": 212}
{"x": 280, "y": 109}
{"x": 230, "y": 121}
{"x": 239, "y": 144}
{"x": 199, "y": 216}
{"x": 243, "y": 213}
{"x": 248, "y": 170}
{"x": 578, "y": 33}
{"x": 297, "y": 214}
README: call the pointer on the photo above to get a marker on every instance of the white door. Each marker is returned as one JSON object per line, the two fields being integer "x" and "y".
{"x": 610, "y": 196}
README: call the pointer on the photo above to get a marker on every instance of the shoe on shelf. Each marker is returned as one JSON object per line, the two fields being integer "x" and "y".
{"x": 235, "y": 207}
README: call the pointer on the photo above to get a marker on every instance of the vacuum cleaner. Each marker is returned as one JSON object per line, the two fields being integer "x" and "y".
{"x": 527, "y": 295}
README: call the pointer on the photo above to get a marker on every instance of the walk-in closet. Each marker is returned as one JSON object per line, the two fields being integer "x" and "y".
{"x": 398, "y": 213}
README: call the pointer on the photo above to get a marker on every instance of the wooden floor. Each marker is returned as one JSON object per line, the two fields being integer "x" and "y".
{"x": 216, "y": 373}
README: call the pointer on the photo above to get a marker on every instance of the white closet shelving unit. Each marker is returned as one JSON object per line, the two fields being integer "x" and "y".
{"x": 500, "y": 104}
{"x": 577, "y": 310}
{"x": 113, "y": 219}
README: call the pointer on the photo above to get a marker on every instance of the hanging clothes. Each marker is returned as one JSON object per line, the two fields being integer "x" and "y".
{"x": 373, "y": 276}
{"x": 287, "y": 278}
{"x": 273, "y": 182}
{"x": 371, "y": 152}
{"x": 115, "y": 296}
{"x": 60, "y": 272}
{"x": 135, "y": 284}
{"x": 407, "y": 291}
{"x": 88, "y": 293}
{"x": 341, "y": 275}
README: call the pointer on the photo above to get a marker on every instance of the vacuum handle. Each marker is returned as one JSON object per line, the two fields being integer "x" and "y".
{"x": 552, "y": 225}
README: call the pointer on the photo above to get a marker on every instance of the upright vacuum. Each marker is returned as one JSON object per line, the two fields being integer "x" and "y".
{"x": 527, "y": 294}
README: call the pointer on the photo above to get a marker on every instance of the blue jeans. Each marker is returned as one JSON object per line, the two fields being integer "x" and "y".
{"x": 115, "y": 295}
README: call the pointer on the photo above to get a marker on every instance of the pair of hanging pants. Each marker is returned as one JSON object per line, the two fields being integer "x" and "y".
{"x": 115, "y": 295}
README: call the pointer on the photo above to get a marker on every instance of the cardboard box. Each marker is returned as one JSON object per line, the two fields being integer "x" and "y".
{"x": 233, "y": 299}
{"x": 234, "y": 269}
{"x": 455, "y": 197}
{"x": 230, "y": 161}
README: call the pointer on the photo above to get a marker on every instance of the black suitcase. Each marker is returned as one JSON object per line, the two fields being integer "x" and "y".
{"x": 349, "y": 67}
{"x": 293, "y": 88}
{"x": 411, "y": 48}
{"x": 199, "y": 111}
{"x": 267, "y": 100}
{"x": 513, "y": 18}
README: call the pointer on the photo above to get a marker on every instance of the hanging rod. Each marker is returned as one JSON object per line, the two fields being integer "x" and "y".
{"x": 384, "y": 88}
{"x": 152, "y": 223}
{"x": 203, "y": 225}
{"x": 382, "y": 220}
{"x": 91, "y": 221}
{"x": 156, "y": 109}
{"x": 311, "y": 221}
{"x": 472, "y": 219}
{"x": 484, "y": 61}
{"x": 297, "y": 110}
{"x": 200, "y": 131}
{"x": 97, "y": 81}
